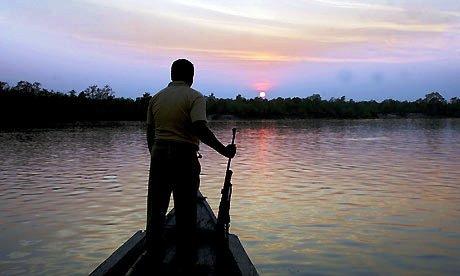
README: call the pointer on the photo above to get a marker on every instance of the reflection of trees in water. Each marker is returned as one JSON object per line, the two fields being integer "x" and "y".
{"x": 434, "y": 132}
{"x": 72, "y": 143}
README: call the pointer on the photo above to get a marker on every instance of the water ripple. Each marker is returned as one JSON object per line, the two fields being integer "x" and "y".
{"x": 310, "y": 197}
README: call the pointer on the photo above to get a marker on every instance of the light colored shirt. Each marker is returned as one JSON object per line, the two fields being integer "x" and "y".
{"x": 174, "y": 109}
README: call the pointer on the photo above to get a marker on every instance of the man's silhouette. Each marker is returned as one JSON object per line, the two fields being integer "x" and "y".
{"x": 176, "y": 122}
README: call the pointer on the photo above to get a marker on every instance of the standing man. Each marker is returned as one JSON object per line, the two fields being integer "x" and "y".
{"x": 176, "y": 122}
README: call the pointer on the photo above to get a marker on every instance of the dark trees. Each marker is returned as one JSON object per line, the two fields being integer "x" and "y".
{"x": 30, "y": 104}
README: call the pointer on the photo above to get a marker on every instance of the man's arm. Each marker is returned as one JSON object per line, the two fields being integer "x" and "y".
{"x": 150, "y": 127}
{"x": 150, "y": 135}
{"x": 206, "y": 136}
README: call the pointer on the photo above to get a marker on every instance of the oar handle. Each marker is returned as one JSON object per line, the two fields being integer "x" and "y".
{"x": 233, "y": 142}
{"x": 234, "y": 134}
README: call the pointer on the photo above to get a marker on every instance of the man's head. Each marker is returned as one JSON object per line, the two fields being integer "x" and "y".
{"x": 182, "y": 70}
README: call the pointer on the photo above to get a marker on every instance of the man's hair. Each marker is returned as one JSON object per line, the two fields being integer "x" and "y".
{"x": 182, "y": 70}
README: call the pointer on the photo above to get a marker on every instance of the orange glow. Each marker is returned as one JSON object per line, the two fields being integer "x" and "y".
{"x": 262, "y": 86}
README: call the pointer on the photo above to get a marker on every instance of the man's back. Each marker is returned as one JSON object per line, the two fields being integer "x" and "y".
{"x": 173, "y": 110}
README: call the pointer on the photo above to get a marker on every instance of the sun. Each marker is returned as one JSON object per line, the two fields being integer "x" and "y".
{"x": 262, "y": 94}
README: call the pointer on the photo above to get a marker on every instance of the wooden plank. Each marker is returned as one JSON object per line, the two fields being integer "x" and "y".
{"x": 206, "y": 219}
{"x": 208, "y": 208}
{"x": 122, "y": 258}
{"x": 240, "y": 256}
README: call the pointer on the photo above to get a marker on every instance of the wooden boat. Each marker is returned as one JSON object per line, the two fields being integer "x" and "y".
{"x": 215, "y": 255}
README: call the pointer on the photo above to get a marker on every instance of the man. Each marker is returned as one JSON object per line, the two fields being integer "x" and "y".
{"x": 176, "y": 122}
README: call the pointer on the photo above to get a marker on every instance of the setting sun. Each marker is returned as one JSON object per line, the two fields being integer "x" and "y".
{"x": 262, "y": 94}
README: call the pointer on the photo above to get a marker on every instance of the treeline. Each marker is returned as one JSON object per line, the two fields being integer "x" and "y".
{"x": 30, "y": 104}
{"x": 433, "y": 105}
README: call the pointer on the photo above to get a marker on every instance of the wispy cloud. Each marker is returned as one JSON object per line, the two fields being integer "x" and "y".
{"x": 358, "y": 5}
{"x": 225, "y": 30}
{"x": 241, "y": 10}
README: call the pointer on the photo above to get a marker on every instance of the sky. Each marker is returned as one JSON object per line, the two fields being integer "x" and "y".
{"x": 400, "y": 49}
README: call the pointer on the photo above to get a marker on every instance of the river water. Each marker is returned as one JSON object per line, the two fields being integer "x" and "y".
{"x": 310, "y": 197}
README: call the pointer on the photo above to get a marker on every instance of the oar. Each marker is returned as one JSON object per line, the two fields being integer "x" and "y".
{"x": 223, "y": 218}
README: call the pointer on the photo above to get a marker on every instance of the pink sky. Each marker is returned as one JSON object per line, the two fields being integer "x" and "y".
{"x": 360, "y": 49}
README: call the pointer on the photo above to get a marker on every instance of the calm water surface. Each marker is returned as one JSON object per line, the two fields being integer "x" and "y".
{"x": 310, "y": 197}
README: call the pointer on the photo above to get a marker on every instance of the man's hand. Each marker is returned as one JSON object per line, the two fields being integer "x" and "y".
{"x": 230, "y": 151}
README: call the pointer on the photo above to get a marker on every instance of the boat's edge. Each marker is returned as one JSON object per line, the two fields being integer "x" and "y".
{"x": 120, "y": 260}
{"x": 240, "y": 257}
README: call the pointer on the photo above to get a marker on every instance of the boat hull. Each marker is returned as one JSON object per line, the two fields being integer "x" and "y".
{"x": 215, "y": 256}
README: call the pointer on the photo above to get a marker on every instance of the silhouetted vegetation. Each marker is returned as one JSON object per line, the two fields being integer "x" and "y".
{"x": 433, "y": 105}
{"x": 30, "y": 104}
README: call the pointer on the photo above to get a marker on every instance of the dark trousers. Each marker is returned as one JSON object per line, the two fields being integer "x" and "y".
{"x": 174, "y": 167}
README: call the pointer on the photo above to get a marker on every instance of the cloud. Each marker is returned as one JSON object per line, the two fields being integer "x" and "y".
{"x": 242, "y": 10}
{"x": 272, "y": 57}
{"x": 358, "y": 5}
{"x": 242, "y": 31}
